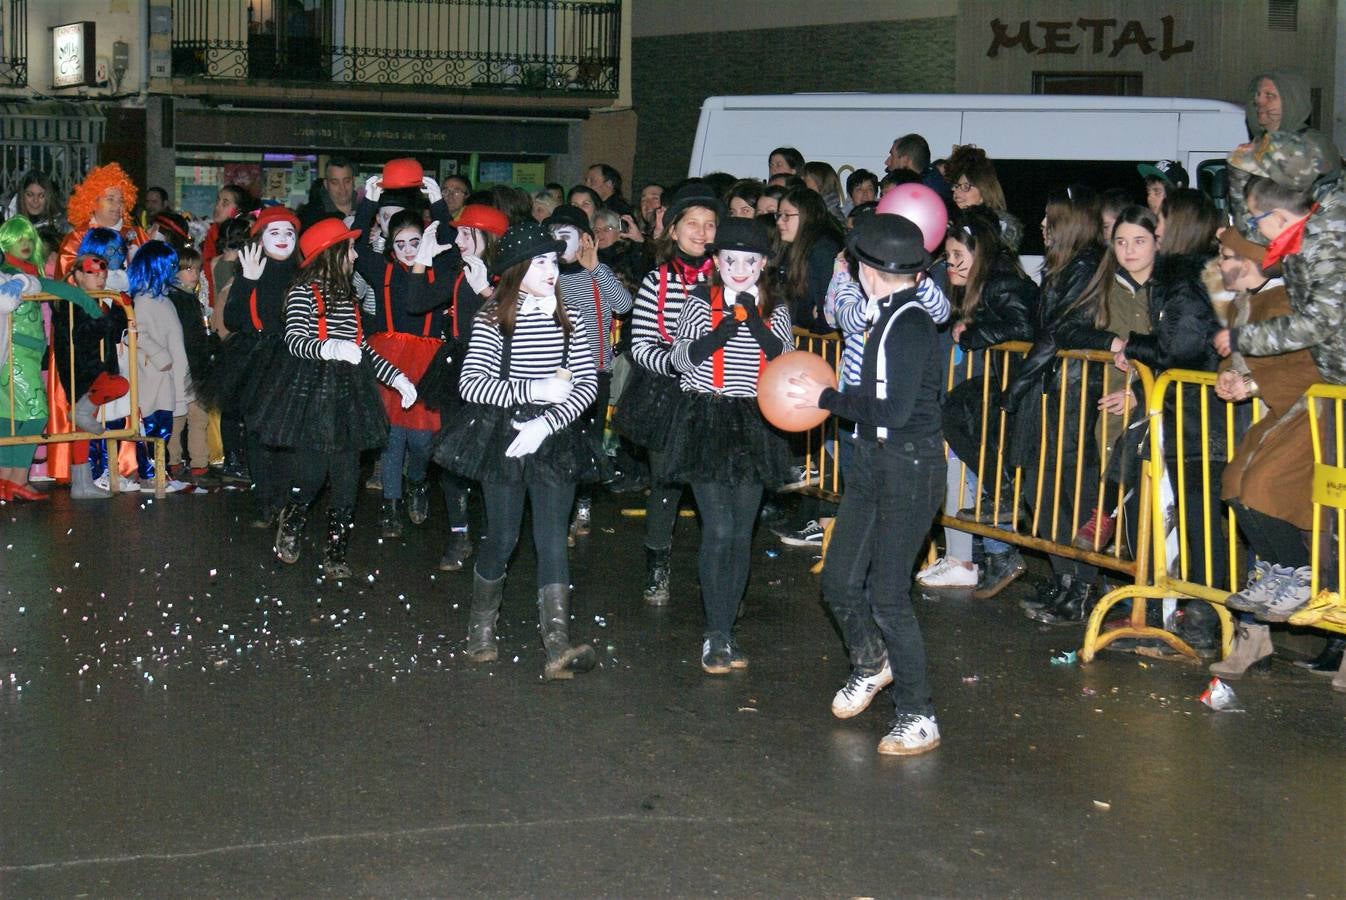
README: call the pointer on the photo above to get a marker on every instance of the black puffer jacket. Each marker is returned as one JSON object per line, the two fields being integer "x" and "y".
{"x": 1061, "y": 323}
{"x": 1006, "y": 311}
{"x": 1182, "y": 320}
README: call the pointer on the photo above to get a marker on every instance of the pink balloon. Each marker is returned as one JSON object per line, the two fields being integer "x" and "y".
{"x": 922, "y": 206}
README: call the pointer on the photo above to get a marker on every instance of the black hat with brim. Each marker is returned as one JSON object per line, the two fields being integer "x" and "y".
{"x": 521, "y": 243}
{"x": 736, "y": 233}
{"x": 889, "y": 243}
{"x": 572, "y": 216}
{"x": 694, "y": 193}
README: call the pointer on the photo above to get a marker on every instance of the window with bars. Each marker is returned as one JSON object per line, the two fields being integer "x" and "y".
{"x": 1283, "y": 15}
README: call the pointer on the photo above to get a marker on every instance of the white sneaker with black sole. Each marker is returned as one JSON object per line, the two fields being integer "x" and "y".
{"x": 811, "y": 535}
{"x": 911, "y": 734}
{"x": 859, "y": 691}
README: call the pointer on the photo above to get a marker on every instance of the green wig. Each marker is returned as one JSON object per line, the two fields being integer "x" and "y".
{"x": 13, "y": 231}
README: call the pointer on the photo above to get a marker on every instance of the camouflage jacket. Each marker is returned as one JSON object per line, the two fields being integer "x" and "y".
{"x": 1315, "y": 279}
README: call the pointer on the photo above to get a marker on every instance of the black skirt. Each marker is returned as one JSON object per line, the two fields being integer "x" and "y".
{"x": 323, "y": 405}
{"x": 725, "y": 440}
{"x": 438, "y": 387}
{"x": 229, "y": 384}
{"x": 472, "y": 443}
{"x": 649, "y": 405}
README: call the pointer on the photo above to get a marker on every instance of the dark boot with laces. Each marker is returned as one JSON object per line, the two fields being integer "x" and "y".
{"x": 339, "y": 524}
{"x": 390, "y": 519}
{"x": 656, "y": 576}
{"x": 290, "y": 531}
{"x": 418, "y": 502}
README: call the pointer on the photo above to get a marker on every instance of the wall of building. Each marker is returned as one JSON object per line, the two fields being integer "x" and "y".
{"x": 673, "y": 74}
{"x": 115, "y": 20}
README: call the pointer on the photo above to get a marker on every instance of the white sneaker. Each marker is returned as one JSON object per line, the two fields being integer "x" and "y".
{"x": 859, "y": 691}
{"x": 911, "y": 734}
{"x": 948, "y": 572}
{"x": 124, "y": 484}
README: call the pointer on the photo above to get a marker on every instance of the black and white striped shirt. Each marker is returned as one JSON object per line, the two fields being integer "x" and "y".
{"x": 742, "y": 355}
{"x": 650, "y": 346}
{"x": 576, "y": 286}
{"x": 302, "y": 329}
{"x": 537, "y": 350}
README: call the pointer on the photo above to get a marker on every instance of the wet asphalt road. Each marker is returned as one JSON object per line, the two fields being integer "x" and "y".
{"x": 182, "y": 716}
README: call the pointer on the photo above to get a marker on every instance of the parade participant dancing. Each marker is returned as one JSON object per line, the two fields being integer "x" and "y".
{"x": 254, "y": 316}
{"x": 461, "y": 288}
{"x": 720, "y": 444}
{"x": 321, "y": 400}
{"x": 652, "y": 396}
{"x": 527, "y": 378}
{"x": 896, "y": 483}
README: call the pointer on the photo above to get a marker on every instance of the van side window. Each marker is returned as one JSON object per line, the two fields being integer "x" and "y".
{"x": 1212, "y": 178}
{"x": 1028, "y": 181}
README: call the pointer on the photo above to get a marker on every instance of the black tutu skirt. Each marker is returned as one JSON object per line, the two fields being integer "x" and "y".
{"x": 473, "y": 441}
{"x": 725, "y": 440}
{"x": 229, "y": 385}
{"x": 649, "y": 405}
{"x": 324, "y": 405}
{"x": 438, "y": 387}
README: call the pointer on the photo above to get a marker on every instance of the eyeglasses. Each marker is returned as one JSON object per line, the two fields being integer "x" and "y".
{"x": 1253, "y": 220}
{"x": 963, "y": 187}
{"x": 785, "y": 215}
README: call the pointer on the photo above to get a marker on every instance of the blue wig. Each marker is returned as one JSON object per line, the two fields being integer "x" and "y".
{"x": 152, "y": 269}
{"x": 106, "y": 243}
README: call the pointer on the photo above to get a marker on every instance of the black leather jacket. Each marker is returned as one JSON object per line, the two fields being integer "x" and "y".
{"x": 1008, "y": 308}
{"x": 1182, "y": 320}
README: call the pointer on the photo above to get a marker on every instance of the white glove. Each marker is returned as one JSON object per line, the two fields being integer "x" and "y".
{"x": 475, "y": 272}
{"x": 374, "y": 188}
{"x": 402, "y": 384}
{"x": 531, "y": 435}
{"x": 117, "y": 280}
{"x": 341, "y": 351}
{"x": 550, "y": 390}
{"x": 431, "y": 189}
{"x": 430, "y": 247}
{"x": 251, "y": 262}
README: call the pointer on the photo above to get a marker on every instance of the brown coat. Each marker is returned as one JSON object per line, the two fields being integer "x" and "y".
{"x": 1272, "y": 470}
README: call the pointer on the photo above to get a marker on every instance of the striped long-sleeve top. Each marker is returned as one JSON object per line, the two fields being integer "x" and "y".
{"x": 654, "y": 322}
{"x": 848, "y": 311}
{"x": 599, "y": 296}
{"x": 537, "y": 350}
{"x": 743, "y": 356}
{"x": 307, "y": 326}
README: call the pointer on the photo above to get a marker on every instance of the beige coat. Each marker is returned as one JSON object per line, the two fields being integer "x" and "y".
{"x": 162, "y": 357}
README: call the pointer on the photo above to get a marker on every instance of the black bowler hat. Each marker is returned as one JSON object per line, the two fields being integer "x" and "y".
{"x": 693, "y": 193}
{"x": 888, "y": 243}
{"x": 521, "y": 243}
{"x": 572, "y": 216}
{"x": 737, "y": 233}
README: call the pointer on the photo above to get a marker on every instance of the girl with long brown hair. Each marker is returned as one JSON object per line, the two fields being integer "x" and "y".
{"x": 810, "y": 238}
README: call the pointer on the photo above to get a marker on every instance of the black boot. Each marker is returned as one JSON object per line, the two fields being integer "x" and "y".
{"x": 997, "y": 515}
{"x": 390, "y": 519}
{"x": 998, "y": 572}
{"x": 485, "y": 612}
{"x": 339, "y": 524}
{"x": 1046, "y": 595}
{"x": 656, "y": 576}
{"x": 563, "y": 660}
{"x": 290, "y": 531}
{"x": 418, "y": 502}
{"x": 235, "y": 469}
{"x": 580, "y": 525}
{"x": 1074, "y": 604}
{"x": 457, "y": 552}
{"x": 1329, "y": 661}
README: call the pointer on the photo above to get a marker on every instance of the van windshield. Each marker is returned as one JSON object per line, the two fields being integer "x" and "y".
{"x": 1027, "y": 183}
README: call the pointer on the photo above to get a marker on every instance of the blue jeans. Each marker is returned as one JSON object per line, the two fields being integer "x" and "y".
{"x": 894, "y": 494}
{"x": 411, "y": 445}
{"x": 550, "y": 504}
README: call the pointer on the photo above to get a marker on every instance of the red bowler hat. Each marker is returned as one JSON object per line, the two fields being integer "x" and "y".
{"x": 402, "y": 173}
{"x": 487, "y": 218}
{"x": 323, "y": 234}
{"x": 273, "y": 214}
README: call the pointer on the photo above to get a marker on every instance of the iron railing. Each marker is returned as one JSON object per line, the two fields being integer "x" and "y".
{"x": 14, "y": 43}
{"x": 544, "y": 46}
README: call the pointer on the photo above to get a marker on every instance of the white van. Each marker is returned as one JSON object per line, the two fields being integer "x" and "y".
{"x": 1036, "y": 142}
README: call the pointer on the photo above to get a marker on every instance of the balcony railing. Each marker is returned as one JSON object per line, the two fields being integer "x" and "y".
{"x": 14, "y": 43}
{"x": 540, "y": 46}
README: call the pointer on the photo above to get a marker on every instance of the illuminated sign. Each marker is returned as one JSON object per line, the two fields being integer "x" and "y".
{"x": 72, "y": 55}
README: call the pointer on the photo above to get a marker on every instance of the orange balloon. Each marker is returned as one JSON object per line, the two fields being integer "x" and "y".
{"x": 774, "y": 385}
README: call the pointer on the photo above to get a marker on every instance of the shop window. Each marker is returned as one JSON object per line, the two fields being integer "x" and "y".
{"x": 1097, "y": 84}
{"x": 1027, "y": 183}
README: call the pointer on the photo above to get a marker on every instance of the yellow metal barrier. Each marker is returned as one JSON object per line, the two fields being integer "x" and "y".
{"x": 130, "y": 432}
{"x": 1327, "y": 425}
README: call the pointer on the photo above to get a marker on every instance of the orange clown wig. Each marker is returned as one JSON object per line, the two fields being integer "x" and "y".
{"x": 79, "y": 211}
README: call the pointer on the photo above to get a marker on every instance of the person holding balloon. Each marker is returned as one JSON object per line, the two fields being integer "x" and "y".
{"x": 720, "y": 444}
{"x": 895, "y": 487}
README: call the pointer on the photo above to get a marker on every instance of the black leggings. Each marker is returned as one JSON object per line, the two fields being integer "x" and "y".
{"x": 269, "y": 468}
{"x": 550, "y": 504}
{"x": 1274, "y": 540}
{"x": 728, "y": 514}
{"x": 661, "y": 507}
{"x": 312, "y": 469}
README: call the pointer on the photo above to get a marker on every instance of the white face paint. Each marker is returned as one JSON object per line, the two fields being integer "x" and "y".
{"x": 540, "y": 279}
{"x": 405, "y": 244}
{"x": 739, "y": 269}
{"x": 571, "y": 235}
{"x": 468, "y": 241}
{"x": 385, "y": 216}
{"x": 278, "y": 240}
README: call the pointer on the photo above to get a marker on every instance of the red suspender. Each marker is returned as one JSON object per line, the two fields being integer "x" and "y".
{"x": 321, "y": 307}
{"x": 598, "y": 317}
{"x": 663, "y": 301}
{"x": 456, "y": 282}
{"x": 717, "y": 359}
{"x": 388, "y": 298}
{"x": 252, "y": 309}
